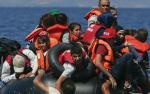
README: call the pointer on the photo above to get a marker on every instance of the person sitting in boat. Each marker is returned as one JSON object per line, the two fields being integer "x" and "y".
{"x": 20, "y": 64}
{"x": 94, "y": 13}
{"x": 40, "y": 28}
{"x": 141, "y": 46}
{"x": 106, "y": 21}
{"x": 131, "y": 63}
{"x": 72, "y": 61}
{"x": 101, "y": 54}
{"x": 43, "y": 65}
{"x": 73, "y": 34}
{"x": 53, "y": 25}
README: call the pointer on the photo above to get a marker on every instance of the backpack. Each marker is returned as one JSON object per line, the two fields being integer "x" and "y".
{"x": 8, "y": 47}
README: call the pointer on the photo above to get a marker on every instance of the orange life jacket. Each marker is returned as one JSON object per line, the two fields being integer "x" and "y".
{"x": 42, "y": 60}
{"x": 141, "y": 47}
{"x": 91, "y": 31}
{"x": 56, "y": 31}
{"x": 108, "y": 59}
{"x": 94, "y": 11}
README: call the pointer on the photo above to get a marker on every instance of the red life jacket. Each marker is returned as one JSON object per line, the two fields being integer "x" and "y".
{"x": 56, "y": 31}
{"x": 66, "y": 57}
{"x": 91, "y": 31}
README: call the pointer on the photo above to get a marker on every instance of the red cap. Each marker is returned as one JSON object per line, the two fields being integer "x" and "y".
{"x": 109, "y": 33}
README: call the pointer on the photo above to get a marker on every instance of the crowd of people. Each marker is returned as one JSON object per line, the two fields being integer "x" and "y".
{"x": 119, "y": 55}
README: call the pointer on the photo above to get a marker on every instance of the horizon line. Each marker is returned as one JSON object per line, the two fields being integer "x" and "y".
{"x": 62, "y": 7}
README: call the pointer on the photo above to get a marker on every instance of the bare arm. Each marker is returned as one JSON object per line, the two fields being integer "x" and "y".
{"x": 100, "y": 67}
{"x": 38, "y": 82}
{"x": 69, "y": 69}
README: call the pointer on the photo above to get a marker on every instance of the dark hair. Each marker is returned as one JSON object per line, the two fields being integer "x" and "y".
{"x": 47, "y": 20}
{"x": 61, "y": 19}
{"x": 68, "y": 87}
{"x": 112, "y": 8}
{"x": 142, "y": 35}
{"x": 76, "y": 48}
{"x": 131, "y": 32}
{"x": 73, "y": 25}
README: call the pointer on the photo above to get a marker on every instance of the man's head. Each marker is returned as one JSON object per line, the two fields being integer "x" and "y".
{"x": 43, "y": 42}
{"x": 142, "y": 35}
{"x": 47, "y": 20}
{"x": 61, "y": 19}
{"x": 76, "y": 52}
{"x": 104, "y": 5}
{"x": 120, "y": 36}
{"x": 113, "y": 11}
{"x": 68, "y": 87}
{"x": 18, "y": 63}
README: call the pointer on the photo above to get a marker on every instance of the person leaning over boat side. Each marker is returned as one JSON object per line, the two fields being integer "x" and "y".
{"x": 73, "y": 34}
{"x": 73, "y": 61}
{"x": 67, "y": 86}
{"x": 20, "y": 64}
{"x": 91, "y": 16}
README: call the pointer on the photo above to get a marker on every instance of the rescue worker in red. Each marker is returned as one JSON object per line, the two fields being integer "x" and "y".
{"x": 106, "y": 21}
{"x": 91, "y": 16}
